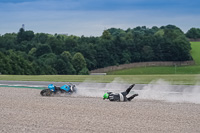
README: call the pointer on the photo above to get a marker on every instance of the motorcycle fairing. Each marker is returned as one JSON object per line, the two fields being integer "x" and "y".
{"x": 65, "y": 87}
{"x": 51, "y": 87}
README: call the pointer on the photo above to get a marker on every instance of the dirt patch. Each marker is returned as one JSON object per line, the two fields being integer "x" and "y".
{"x": 24, "y": 110}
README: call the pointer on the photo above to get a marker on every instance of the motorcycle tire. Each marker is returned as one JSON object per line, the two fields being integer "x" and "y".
{"x": 46, "y": 92}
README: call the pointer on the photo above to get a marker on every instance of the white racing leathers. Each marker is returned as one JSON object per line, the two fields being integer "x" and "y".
{"x": 121, "y": 97}
{"x": 117, "y": 97}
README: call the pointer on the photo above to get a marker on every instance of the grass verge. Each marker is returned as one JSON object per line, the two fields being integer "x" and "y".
{"x": 184, "y": 79}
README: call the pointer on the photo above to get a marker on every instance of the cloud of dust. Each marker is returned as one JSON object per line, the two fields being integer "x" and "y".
{"x": 163, "y": 90}
{"x": 91, "y": 89}
{"x": 155, "y": 90}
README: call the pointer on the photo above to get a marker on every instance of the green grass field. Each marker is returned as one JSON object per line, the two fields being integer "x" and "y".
{"x": 187, "y": 79}
{"x": 195, "y": 52}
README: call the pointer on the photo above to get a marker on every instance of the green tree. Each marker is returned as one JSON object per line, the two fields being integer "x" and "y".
{"x": 78, "y": 62}
{"x": 41, "y": 38}
{"x": 106, "y": 35}
{"x": 8, "y": 41}
{"x": 42, "y": 49}
{"x": 70, "y": 43}
{"x": 32, "y": 51}
{"x": 84, "y": 71}
{"x": 56, "y": 45}
{"x": 20, "y": 35}
{"x": 126, "y": 57}
{"x": 147, "y": 53}
{"x": 29, "y": 35}
{"x": 193, "y": 33}
{"x": 19, "y": 64}
{"x": 88, "y": 51}
{"x": 24, "y": 35}
{"x": 60, "y": 66}
{"x": 5, "y": 67}
{"x": 67, "y": 58}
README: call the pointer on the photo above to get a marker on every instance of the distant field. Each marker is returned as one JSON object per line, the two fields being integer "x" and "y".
{"x": 195, "y": 52}
{"x": 158, "y": 70}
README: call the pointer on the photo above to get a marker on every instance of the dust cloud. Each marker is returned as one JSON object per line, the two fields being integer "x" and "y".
{"x": 91, "y": 89}
{"x": 163, "y": 90}
{"x": 155, "y": 90}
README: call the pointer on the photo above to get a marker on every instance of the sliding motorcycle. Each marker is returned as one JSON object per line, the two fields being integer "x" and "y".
{"x": 52, "y": 90}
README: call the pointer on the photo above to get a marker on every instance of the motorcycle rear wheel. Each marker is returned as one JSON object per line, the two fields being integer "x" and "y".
{"x": 46, "y": 92}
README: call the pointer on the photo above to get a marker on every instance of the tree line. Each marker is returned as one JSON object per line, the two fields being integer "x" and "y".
{"x": 193, "y": 33}
{"x": 32, "y": 53}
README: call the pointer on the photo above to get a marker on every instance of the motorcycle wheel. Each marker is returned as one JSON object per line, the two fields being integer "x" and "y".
{"x": 46, "y": 92}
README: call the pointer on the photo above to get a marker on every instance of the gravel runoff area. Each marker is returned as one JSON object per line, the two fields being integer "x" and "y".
{"x": 24, "y": 110}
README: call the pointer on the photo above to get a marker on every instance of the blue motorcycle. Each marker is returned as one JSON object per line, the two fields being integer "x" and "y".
{"x": 52, "y": 90}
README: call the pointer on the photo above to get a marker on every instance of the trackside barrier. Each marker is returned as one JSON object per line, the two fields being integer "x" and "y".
{"x": 97, "y": 73}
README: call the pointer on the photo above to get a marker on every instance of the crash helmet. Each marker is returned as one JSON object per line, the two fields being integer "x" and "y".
{"x": 105, "y": 96}
{"x": 51, "y": 87}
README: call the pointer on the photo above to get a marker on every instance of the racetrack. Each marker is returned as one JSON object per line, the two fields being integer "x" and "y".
{"x": 24, "y": 110}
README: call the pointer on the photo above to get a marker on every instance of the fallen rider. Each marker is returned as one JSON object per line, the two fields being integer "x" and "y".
{"x": 120, "y": 97}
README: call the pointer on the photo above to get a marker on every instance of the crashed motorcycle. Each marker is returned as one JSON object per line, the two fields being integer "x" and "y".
{"x": 52, "y": 90}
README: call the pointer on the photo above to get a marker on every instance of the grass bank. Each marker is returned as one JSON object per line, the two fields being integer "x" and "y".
{"x": 195, "y": 69}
